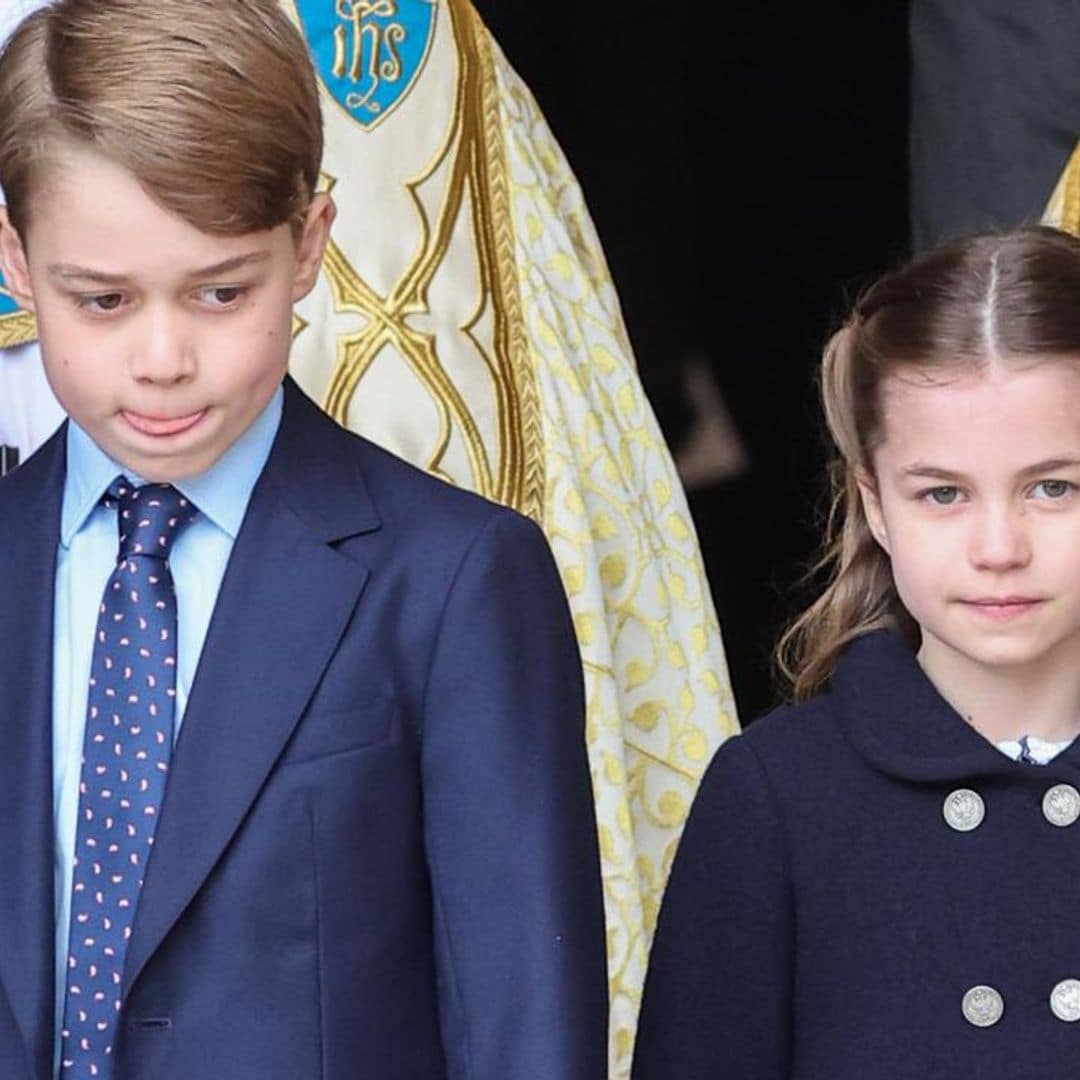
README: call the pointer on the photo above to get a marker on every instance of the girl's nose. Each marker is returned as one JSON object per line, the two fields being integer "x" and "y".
{"x": 1000, "y": 540}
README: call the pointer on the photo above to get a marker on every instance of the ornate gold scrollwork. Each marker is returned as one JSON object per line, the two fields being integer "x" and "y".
{"x": 473, "y": 147}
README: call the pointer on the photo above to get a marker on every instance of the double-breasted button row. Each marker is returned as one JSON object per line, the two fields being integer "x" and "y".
{"x": 965, "y": 810}
{"x": 984, "y": 1006}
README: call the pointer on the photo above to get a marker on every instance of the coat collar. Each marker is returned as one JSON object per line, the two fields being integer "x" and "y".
{"x": 314, "y": 468}
{"x": 896, "y": 719}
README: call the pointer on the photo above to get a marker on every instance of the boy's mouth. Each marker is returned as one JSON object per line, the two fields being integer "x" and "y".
{"x": 163, "y": 426}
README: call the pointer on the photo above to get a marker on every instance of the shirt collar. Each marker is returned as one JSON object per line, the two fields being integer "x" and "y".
{"x": 221, "y": 493}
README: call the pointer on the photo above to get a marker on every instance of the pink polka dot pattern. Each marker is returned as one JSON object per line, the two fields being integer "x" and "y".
{"x": 126, "y": 752}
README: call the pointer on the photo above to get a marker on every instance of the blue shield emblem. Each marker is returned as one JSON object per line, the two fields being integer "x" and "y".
{"x": 368, "y": 52}
{"x": 7, "y": 305}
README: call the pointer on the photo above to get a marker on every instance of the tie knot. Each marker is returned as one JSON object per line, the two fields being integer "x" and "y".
{"x": 149, "y": 518}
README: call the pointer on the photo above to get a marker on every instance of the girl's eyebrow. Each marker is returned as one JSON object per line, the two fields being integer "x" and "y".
{"x": 1051, "y": 465}
{"x": 934, "y": 472}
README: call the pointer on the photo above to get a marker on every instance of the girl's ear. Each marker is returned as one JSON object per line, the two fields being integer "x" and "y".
{"x": 13, "y": 263}
{"x": 871, "y": 505}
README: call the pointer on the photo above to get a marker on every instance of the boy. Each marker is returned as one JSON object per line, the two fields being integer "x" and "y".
{"x": 294, "y": 781}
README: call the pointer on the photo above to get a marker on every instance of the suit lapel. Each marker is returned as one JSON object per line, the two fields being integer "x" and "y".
{"x": 285, "y": 601}
{"x": 28, "y": 545}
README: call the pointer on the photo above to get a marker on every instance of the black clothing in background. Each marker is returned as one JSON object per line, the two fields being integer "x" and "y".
{"x": 995, "y": 111}
{"x": 746, "y": 167}
{"x": 614, "y": 82}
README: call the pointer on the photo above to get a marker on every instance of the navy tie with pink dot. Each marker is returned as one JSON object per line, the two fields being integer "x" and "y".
{"x": 126, "y": 752}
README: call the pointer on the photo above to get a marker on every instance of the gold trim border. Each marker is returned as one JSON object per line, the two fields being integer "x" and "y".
{"x": 522, "y": 475}
{"x": 17, "y": 329}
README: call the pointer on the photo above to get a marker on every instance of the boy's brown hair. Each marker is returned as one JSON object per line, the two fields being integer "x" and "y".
{"x": 212, "y": 105}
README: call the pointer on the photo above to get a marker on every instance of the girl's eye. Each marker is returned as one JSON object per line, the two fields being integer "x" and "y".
{"x": 101, "y": 303}
{"x": 222, "y": 296}
{"x": 1052, "y": 489}
{"x": 942, "y": 496}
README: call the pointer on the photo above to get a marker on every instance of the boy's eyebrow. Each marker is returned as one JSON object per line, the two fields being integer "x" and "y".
{"x": 71, "y": 271}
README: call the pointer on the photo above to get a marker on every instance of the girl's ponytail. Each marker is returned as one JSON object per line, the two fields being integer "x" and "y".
{"x": 860, "y": 596}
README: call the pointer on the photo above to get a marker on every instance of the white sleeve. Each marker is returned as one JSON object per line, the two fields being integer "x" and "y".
{"x": 29, "y": 413}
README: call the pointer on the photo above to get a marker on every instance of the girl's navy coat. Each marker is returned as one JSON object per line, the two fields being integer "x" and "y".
{"x": 824, "y": 922}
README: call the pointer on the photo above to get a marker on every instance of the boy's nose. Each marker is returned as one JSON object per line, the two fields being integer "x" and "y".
{"x": 163, "y": 354}
{"x": 1000, "y": 540}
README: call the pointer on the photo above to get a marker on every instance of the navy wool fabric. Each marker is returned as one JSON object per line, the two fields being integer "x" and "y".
{"x": 824, "y": 922}
{"x": 377, "y": 852}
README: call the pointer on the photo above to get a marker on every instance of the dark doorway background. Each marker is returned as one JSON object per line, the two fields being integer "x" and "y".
{"x": 746, "y": 167}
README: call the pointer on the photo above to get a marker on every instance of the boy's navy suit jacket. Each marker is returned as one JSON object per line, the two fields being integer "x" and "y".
{"x": 377, "y": 854}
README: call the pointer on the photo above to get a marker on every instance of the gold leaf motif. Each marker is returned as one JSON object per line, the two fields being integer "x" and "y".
{"x": 573, "y": 579}
{"x": 677, "y": 526}
{"x": 585, "y": 627}
{"x": 613, "y": 570}
{"x": 695, "y": 746}
{"x": 603, "y": 528}
{"x": 614, "y": 773}
{"x": 672, "y": 807}
{"x": 647, "y": 715}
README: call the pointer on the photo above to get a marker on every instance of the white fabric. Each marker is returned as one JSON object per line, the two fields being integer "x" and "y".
{"x": 29, "y": 413}
{"x": 1041, "y": 751}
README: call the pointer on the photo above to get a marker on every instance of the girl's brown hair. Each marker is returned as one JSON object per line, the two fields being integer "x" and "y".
{"x": 213, "y": 105}
{"x": 1010, "y": 298}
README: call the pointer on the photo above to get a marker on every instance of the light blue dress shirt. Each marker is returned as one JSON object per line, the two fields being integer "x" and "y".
{"x": 85, "y": 559}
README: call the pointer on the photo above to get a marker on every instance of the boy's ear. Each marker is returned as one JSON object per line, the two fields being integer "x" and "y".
{"x": 871, "y": 505}
{"x": 312, "y": 243}
{"x": 13, "y": 263}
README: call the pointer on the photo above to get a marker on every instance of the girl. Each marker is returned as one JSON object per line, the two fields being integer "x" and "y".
{"x": 883, "y": 880}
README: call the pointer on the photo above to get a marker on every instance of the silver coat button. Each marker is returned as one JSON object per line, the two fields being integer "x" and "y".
{"x": 964, "y": 809}
{"x": 1065, "y": 1000}
{"x": 1061, "y": 805}
{"x": 983, "y": 1006}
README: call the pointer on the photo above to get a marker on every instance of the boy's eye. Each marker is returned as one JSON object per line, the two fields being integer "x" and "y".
{"x": 101, "y": 302}
{"x": 942, "y": 496}
{"x": 1052, "y": 489}
{"x": 222, "y": 295}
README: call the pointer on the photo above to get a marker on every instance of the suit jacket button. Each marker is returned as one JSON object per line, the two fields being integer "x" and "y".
{"x": 983, "y": 1006}
{"x": 1061, "y": 805}
{"x": 964, "y": 809}
{"x": 1065, "y": 1000}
